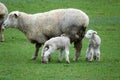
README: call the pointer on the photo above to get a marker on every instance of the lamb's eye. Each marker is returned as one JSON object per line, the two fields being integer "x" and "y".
{"x": 89, "y": 34}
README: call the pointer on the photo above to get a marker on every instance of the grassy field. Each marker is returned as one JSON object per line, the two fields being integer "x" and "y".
{"x": 16, "y": 51}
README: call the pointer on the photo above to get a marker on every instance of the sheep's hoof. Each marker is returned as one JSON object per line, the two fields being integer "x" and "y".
{"x": 49, "y": 58}
{"x": 2, "y": 41}
{"x": 34, "y": 57}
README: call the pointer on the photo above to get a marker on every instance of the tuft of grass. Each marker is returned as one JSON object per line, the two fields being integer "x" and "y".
{"x": 16, "y": 51}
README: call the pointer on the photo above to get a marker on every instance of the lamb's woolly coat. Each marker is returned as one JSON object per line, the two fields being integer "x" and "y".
{"x": 62, "y": 43}
{"x": 3, "y": 16}
{"x": 93, "y": 50}
{"x": 42, "y": 26}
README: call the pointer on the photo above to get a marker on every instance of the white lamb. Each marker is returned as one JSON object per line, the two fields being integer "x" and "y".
{"x": 62, "y": 43}
{"x": 93, "y": 50}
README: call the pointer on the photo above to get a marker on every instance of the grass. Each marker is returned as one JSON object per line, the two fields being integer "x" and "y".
{"x": 16, "y": 51}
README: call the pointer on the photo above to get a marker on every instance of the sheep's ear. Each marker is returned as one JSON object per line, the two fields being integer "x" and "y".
{"x": 94, "y": 32}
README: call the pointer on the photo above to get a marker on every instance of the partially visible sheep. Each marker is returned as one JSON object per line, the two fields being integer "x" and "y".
{"x": 40, "y": 27}
{"x": 62, "y": 43}
{"x": 93, "y": 50}
{"x": 3, "y": 16}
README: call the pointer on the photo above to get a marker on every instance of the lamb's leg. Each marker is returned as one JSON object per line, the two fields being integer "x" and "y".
{"x": 60, "y": 55}
{"x": 91, "y": 54}
{"x": 37, "y": 50}
{"x": 97, "y": 52}
{"x": 88, "y": 54}
{"x": 67, "y": 55}
{"x": 78, "y": 47}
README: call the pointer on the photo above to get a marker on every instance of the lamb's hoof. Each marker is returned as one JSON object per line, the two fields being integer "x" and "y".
{"x": 68, "y": 62}
{"x": 34, "y": 57}
{"x": 46, "y": 62}
{"x": 59, "y": 61}
{"x": 89, "y": 60}
{"x": 98, "y": 60}
{"x": 75, "y": 59}
{"x": 86, "y": 59}
{"x": 94, "y": 57}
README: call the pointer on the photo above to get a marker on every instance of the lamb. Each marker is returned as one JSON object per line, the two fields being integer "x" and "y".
{"x": 62, "y": 43}
{"x": 3, "y": 16}
{"x": 40, "y": 27}
{"x": 93, "y": 50}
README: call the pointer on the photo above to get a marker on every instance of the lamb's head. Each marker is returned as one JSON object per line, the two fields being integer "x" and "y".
{"x": 45, "y": 55}
{"x": 90, "y": 34}
{"x": 12, "y": 19}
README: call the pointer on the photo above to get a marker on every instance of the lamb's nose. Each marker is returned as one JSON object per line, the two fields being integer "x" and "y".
{"x": 3, "y": 25}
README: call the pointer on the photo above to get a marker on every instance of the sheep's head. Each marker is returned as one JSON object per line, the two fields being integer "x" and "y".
{"x": 12, "y": 19}
{"x": 90, "y": 34}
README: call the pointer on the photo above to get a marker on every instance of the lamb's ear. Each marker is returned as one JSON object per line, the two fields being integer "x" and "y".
{"x": 94, "y": 32}
{"x": 16, "y": 14}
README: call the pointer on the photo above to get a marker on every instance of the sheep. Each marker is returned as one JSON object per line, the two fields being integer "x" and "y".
{"x": 40, "y": 27}
{"x": 93, "y": 50}
{"x": 3, "y": 16}
{"x": 62, "y": 43}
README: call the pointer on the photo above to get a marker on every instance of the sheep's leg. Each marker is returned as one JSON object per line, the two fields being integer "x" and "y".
{"x": 1, "y": 34}
{"x": 67, "y": 55}
{"x": 60, "y": 55}
{"x": 78, "y": 43}
{"x": 78, "y": 47}
{"x": 37, "y": 50}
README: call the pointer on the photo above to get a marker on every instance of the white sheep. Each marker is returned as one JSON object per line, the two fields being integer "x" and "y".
{"x": 40, "y": 27}
{"x": 93, "y": 50}
{"x": 3, "y": 16}
{"x": 62, "y": 43}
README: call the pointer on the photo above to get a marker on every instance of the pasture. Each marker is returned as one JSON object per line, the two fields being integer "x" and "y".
{"x": 16, "y": 52}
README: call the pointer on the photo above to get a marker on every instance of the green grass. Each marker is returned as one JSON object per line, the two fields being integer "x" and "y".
{"x": 16, "y": 51}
